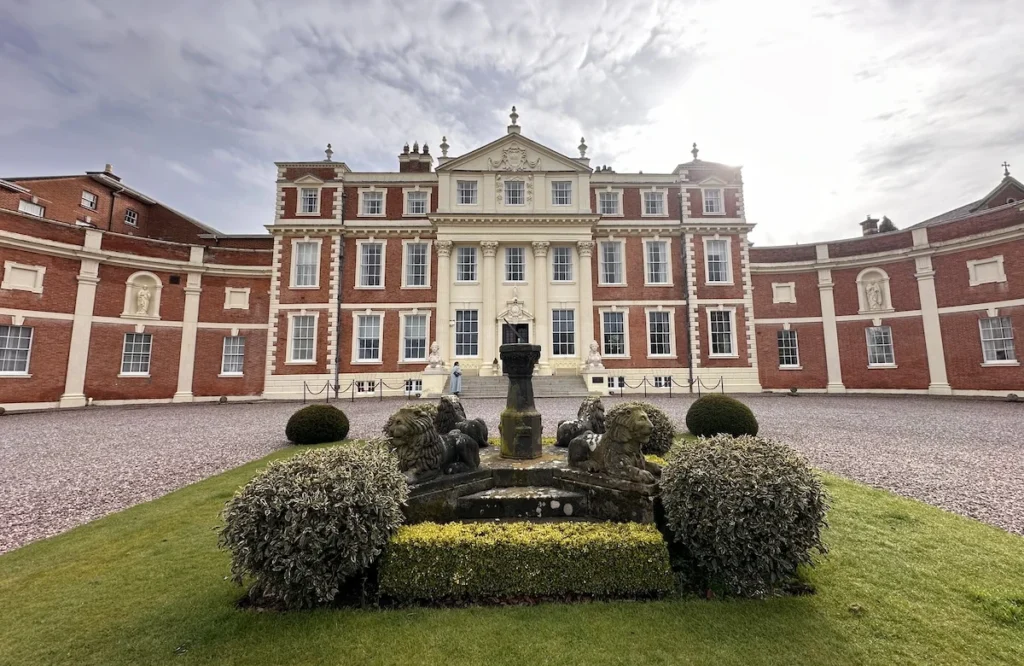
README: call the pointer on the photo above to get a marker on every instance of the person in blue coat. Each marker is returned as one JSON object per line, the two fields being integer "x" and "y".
{"x": 456, "y": 381}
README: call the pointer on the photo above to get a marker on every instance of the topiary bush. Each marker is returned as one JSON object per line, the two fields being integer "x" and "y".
{"x": 306, "y": 525}
{"x": 460, "y": 562}
{"x": 664, "y": 430}
{"x": 316, "y": 424}
{"x": 742, "y": 513}
{"x": 717, "y": 414}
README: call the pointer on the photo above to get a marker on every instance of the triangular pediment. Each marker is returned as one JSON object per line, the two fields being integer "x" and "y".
{"x": 1008, "y": 188}
{"x": 308, "y": 179}
{"x": 513, "y": 152}
{"x": 712, "y": 180}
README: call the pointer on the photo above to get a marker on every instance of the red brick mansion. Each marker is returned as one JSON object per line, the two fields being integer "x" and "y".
{"x": 379, "y": 281}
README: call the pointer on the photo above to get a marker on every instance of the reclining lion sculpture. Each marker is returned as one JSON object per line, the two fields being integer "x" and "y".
{"x": 451, "y": 415}
{"x": 618, "y": 451}
{"x": 589, "y": 418}
{"x": 423, "y": 453}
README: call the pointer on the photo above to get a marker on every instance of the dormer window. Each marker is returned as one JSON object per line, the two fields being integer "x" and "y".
{"x": 515, "y": 193}
{"x": 309, "y": 201}
{"x": 713, "y": 202}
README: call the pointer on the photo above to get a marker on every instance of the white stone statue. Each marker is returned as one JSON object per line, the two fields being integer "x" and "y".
{"x": 142, "y": 298}
{"x": 434, "y": 360}
{"x": 594, "y": 359}
{"x": 873, "y": 291}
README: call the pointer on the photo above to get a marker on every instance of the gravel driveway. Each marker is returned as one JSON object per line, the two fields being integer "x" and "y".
{"x": 61, "y": 469}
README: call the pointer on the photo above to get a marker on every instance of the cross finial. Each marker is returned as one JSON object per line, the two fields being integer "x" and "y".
{"x": 444, "y": 146}
{"x": 1006, "y": 169}
{"x": 583, "y": 147}
{"x": 328, "y": 152}
{"x": 694, "y": 151}
{"x": 514, "y": 116}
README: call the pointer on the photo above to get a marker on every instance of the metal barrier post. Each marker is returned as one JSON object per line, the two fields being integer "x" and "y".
{"x": 645, "y": 384}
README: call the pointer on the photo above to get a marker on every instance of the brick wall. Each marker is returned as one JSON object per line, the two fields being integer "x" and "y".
{"x": 391, "y": 352}
{"x": 105, "y": 349}
{"x": 321, "y": 294}
{"x": 902, "y": 287}
{"x": 908, "y": 348}
{"x": 322, "y": 363}
{"x": 638, "y": 342}
{"x": 808, "y": 301}
{"x": 706, "y": 360}
{"x": 633, "y": 265}
{"x": 393, "y": 268}
{"x": 952, "y": 278}
{"x": 111, "y": 290}
{"x": 209, "y": 356}
{"x": 60, "y": 283}
{"x": 811, "y": 349}
{"x": 705, "y": 290}
{"x": 47, "y": 365}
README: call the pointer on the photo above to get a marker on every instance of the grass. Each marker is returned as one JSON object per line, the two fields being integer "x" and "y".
{"x": 905, "y": 584}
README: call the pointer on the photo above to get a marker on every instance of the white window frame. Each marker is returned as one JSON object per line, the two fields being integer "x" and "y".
{"x": 401, "y": 336}
{"x": 13, "y": 267}
{"x": 131, "y": 217}
{"x": 553, "y": 198}
{"x": 455, "y": 333}
{"x": 796, "y": 349}
{"x": 366, "y": 386}
{"x": 476, "y": 264}
{"x": 405, "y": 263}
{"x": 476, "y": 191}
{"x": 224, "y": 356}
{"x": 572, "y": 268}
{"x": 295, "y": 264}
{"x": 728, "y": 265}
{"x": 411, "y": 389}
{"x": 299, "y": 212}
{"x": 229, "y": 292}
{"x": 28, "y": 356}
{"x": 575, "y": 342}
{"x": 416, "y": 190}
{"x": 661, "y": 194}
{"x": 360, "y": 244}
{"x": 363, "y": 201}
{"x": 625, "y": 330}
{"x": 520, "y": 187}
{"x": 783, "y": 292}
{"x": 972, "y": 270}
{"x": 95, "y": 200}
{"x": 735, "y": 353}
{"x": 618, "y": 197}
{"x": 986, "y": 362}
{"x": 149, "y": 356}
{"x": 867, "y": 346}
{"x": 290, "y": 358}
{"x": 671, "y": 331}
{"x": 600, "y": 262}
{"x": 508, "y": 264}
{"x": 22, "y": 205}
{"x": 668, "y": 262}
{"x": 721, "y": 200}
{"x": 355, "y": 337}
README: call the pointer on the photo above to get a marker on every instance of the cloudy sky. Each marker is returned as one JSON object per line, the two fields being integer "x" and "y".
{"x": 835, "y": 108}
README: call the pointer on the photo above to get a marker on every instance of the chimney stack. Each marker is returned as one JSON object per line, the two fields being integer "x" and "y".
{"x": 415, "y": 161}
{"x": 869, "y": 226}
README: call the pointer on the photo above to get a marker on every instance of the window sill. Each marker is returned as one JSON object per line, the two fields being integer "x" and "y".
{"x": 720, "y": 214}
{"x": 1000, "y": 364}
{"x": 316, "y": 214}
{"x": 373, "y": 361}
{"x": 658, "y": 284}
{"x": 420, "y": 215}
{"x": 612, "y": 357}
{"x": 303, "y": 288}
{"x": 875, "y": 312}
{"x": 415, "y": 286}
{"x": 231, "y": 374}
{"x": 723, "y": 355}
{"x": 137, "y": 375}
{"x": 514, "y": 283}
{"x": 662, "y": 356}
{"x": 791, "y": 367}
{"x": 564, "y": 282}
{"x": 313, "y": 362}
{"x": 979, "y": 284}
{"x": 654, "y": 215}
{"x": 15, "y": 375}
{"x": 611, "y": 284}
{"x": 882, "y": 366}
{"x": 720, "y": 284}
{"x": 466, "y": 283}
{"x": 371, "y": 215}
{"x": 377, "y": 288}
{"x": 412, "y": 361}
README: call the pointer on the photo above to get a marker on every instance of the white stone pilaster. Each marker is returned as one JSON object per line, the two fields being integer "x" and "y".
{"x": 489, "y": 329}
{"x": 189, "y": 329}
{"x": 829, "y": 328}
{"x": 444, "y": 300}
{"x": 691, "y": 289}
{"x": 587, "y": 333}
{"x": 938, "y": 383}
{"x": 542, "y": 314}
{"x": 81, "y": 327}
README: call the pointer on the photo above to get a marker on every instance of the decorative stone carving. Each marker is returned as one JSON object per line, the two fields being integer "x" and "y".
{"x": 540, "y": 248}
{"x": 618, "y": 452}
{"x": 490, "y": 248}
{"x": 513, "y": 158}
{"x": 423, "y": 453}
{"x": 873, "y": 291}
{"x": 586, "y": 248}
{"x": 516, "y": 312}
{"x": 434, "y": 360}
{"x": 589, "y": 418}
{"x": 451, "y": 415}
{"x": 142, "y": 296}
{"x": 594, "y": 362}
{"x": 443, "y": 247}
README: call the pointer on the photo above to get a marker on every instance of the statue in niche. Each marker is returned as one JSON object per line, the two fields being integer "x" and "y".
{"x": 434, "y": 360}
{"x": 875, "y": 298}
{"x": 594, "y": 358}
{"x": 142, "y": 298}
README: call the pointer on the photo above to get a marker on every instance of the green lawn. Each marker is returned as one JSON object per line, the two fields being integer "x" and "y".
{"x": 905, "y": 583}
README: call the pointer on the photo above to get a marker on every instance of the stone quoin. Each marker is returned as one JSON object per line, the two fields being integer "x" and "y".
{"x": 384, "y": 279}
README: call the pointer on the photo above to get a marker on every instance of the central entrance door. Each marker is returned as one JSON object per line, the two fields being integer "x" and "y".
{"x": 513, "y": 333}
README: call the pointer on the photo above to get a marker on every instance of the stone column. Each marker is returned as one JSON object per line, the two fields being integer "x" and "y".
{"x": 542, "y": 314}
{"x": 938, "y": 383}
{"x": 489, "y": 329}
{"x": 444, "y": 299}
{"x": 586, "y": 277}
{"x": 830, "y": 332}
{"x": 189, "y": 328}
{"x": 81, "y": 328}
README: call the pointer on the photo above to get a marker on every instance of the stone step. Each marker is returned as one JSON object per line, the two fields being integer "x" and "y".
{"x": 554, "y": 386}
{"x": 523, "y": 502}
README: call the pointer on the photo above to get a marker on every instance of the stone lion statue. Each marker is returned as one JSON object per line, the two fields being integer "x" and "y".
{"x": 589, "y": 418}
{"x": 618, "y": 451}
{"x": 451, "y": 415}
{"x": 423, "y": 453}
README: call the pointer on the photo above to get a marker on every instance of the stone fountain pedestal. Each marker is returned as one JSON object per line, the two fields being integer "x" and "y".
{"x": 520, "y": 422}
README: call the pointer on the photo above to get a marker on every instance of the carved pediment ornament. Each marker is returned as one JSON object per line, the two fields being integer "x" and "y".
{"x": 513, "y": 158}
{"x": 515, "y": 313}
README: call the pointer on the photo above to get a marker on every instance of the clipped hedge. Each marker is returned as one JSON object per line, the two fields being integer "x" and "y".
{"x": 303, "y": 527}
{"x": 317, "y": 424}
{"x": 460, "y": 562}
{"x": 718, "y": 414}
{"x": 664, "y": 431}
{"x": 742, "y": 513}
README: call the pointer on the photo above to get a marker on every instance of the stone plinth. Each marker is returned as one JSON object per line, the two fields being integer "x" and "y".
{"x": 520, "y": 422}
